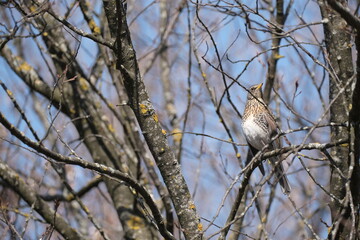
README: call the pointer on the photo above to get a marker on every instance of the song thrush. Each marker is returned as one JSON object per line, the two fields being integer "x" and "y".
{"x": 260, "y": 127}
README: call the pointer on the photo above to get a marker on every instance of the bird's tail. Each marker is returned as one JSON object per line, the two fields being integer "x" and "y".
{"x": 282, "y": 178}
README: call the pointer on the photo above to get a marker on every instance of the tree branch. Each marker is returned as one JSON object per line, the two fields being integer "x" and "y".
{"x": 148, "y": 120}
{"x": 345, "y": 13}
{"x": 70, "y": 197}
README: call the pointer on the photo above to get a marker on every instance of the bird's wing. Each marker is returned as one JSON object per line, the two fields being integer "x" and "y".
{"x": 267, "y": 120}
{"x": 251, "y": 154}
{"x": 279, "y": 169}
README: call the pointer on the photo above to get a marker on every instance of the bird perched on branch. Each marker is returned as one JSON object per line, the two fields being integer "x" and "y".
{"x": 260, "y": 127}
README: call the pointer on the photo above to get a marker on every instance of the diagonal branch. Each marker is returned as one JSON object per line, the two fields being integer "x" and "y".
{"x": 345, "y": 13}
{"x": 148, "y": 121}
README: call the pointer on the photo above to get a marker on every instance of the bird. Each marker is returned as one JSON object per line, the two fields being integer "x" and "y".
{"x": 259, "y": 127}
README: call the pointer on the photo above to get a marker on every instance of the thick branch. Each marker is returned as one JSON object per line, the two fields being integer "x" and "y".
{"x": 345, "y": 13}
{"x": 148, "y": 120}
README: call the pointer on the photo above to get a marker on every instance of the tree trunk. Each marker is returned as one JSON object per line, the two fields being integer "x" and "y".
{"x": 338, "y": 51}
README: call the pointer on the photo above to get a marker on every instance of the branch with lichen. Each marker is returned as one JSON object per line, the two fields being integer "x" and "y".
{"x": 148, "y": 121}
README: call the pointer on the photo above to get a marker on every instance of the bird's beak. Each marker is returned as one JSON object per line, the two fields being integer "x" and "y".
{"x": 259, "y": 86}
